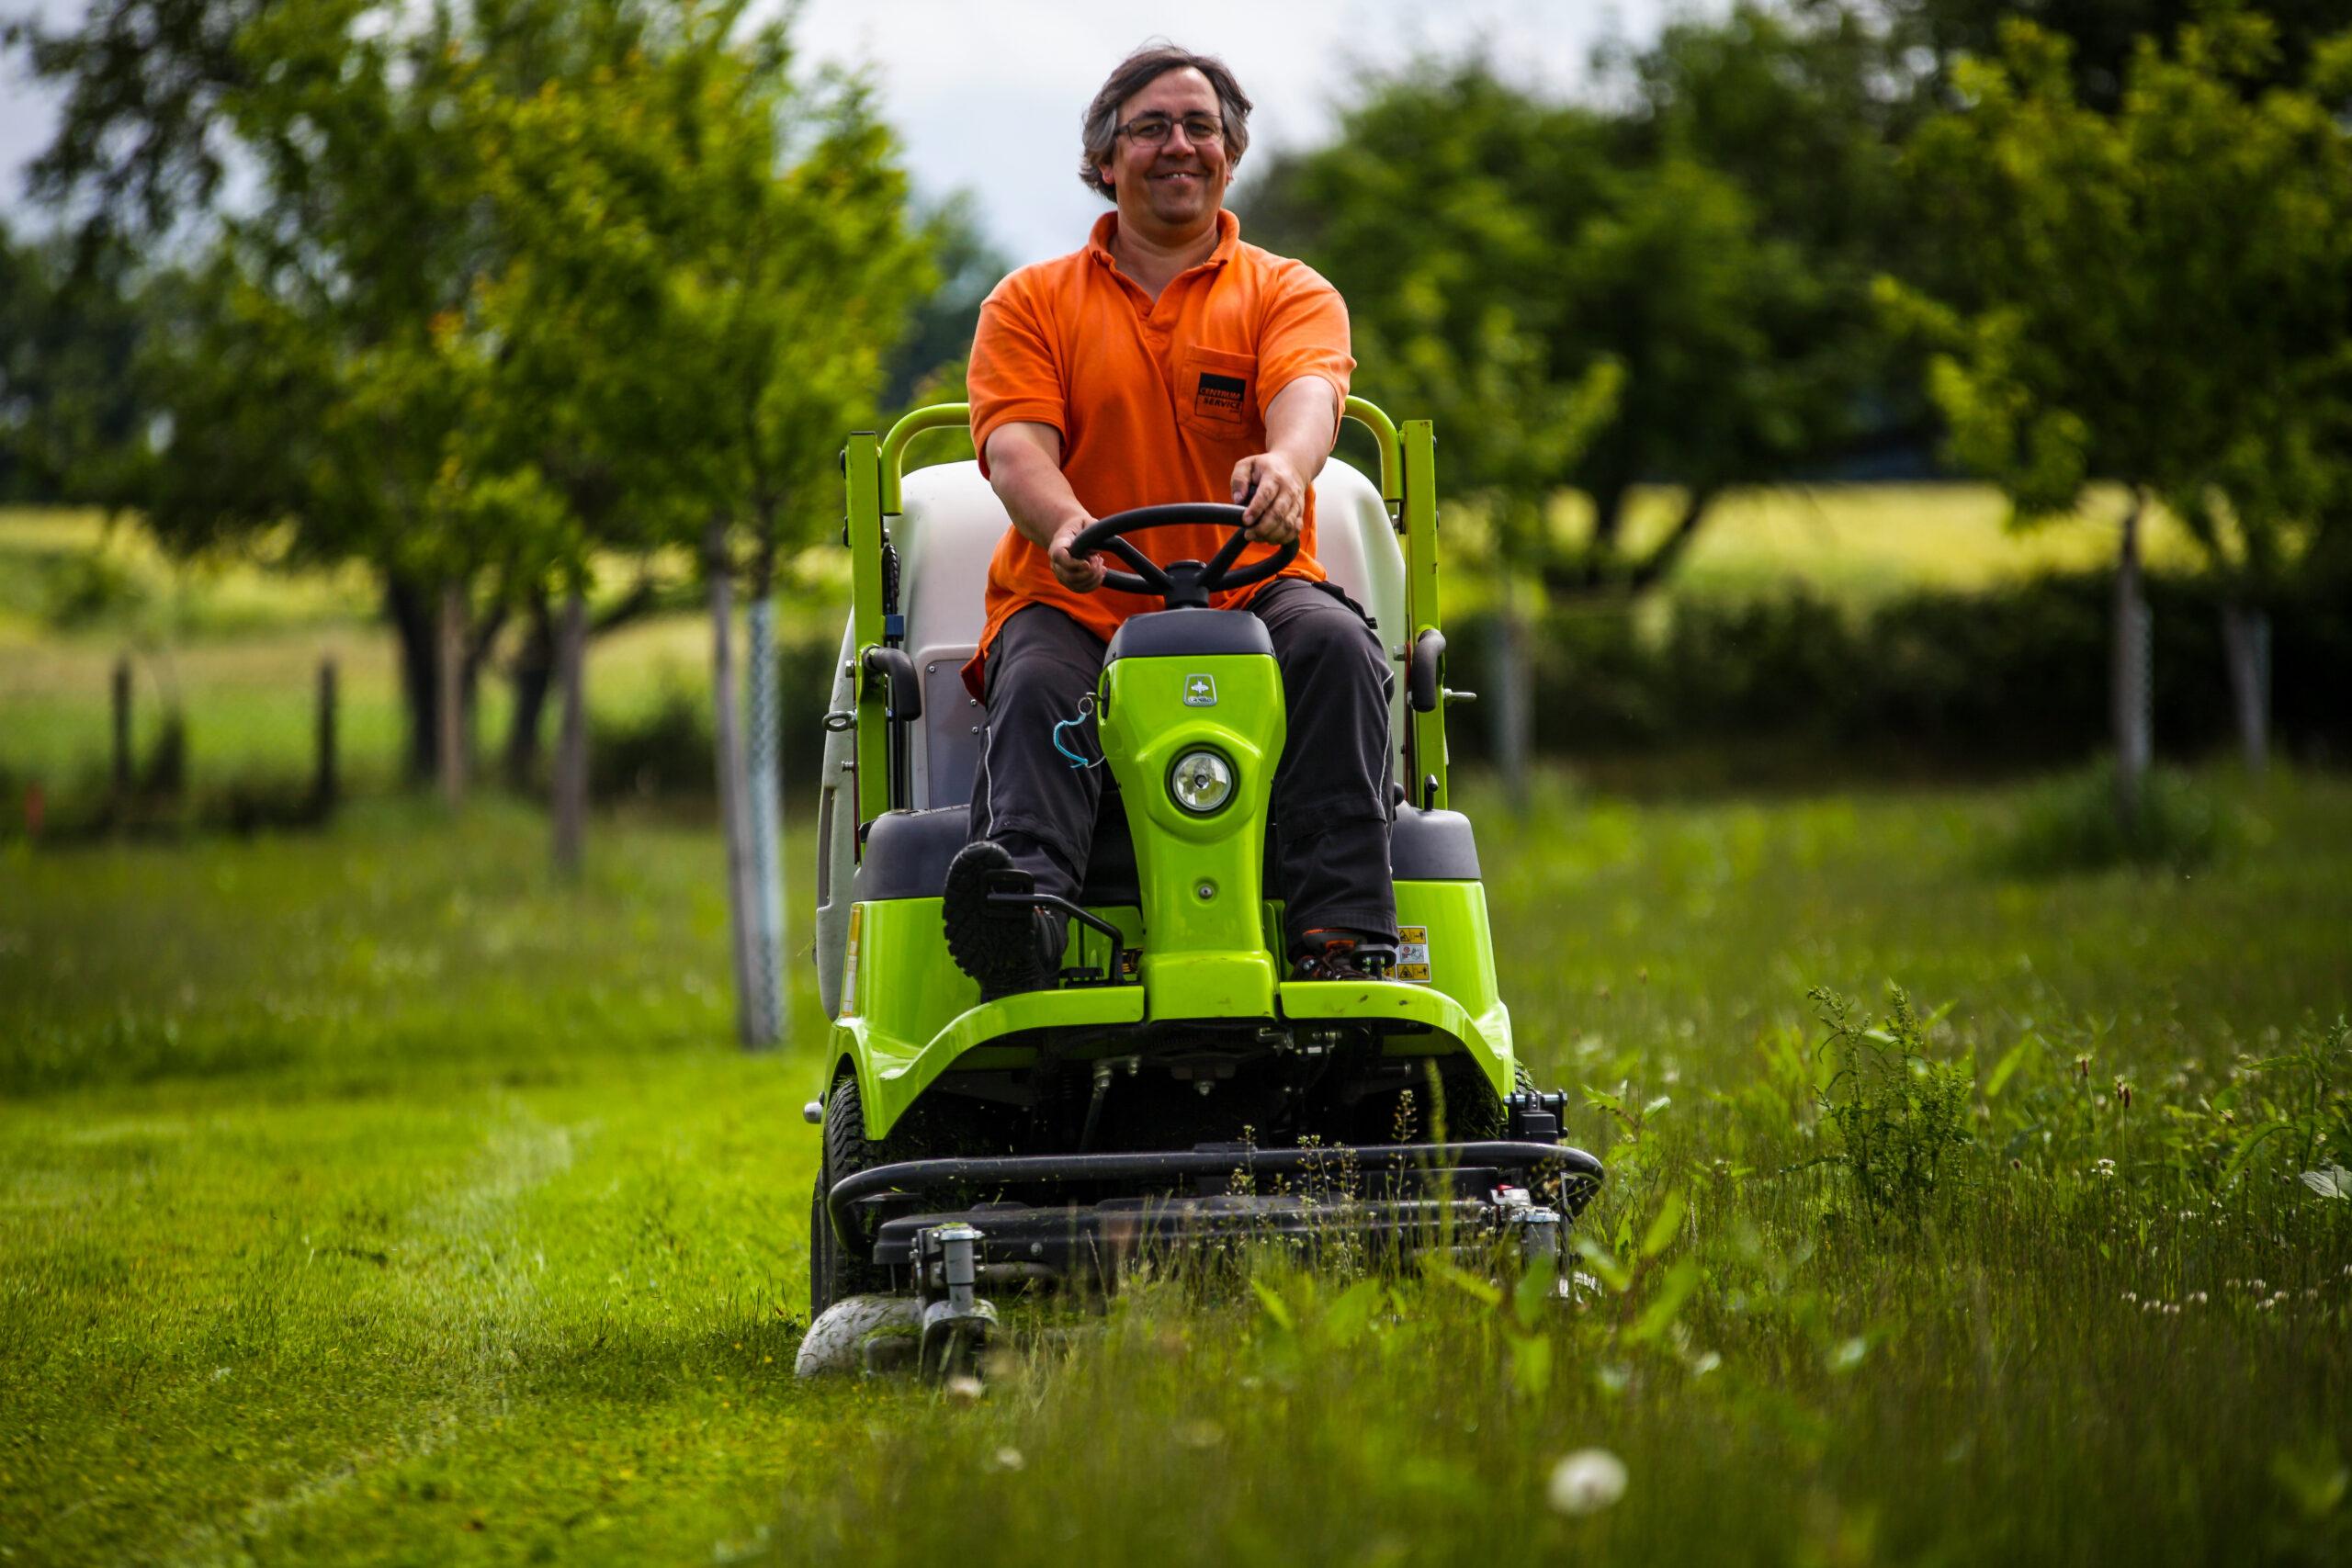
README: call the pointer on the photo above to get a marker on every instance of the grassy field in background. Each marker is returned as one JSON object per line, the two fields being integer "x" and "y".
{"x": 241, "y": 647}
{"x": 368, "y": 1197}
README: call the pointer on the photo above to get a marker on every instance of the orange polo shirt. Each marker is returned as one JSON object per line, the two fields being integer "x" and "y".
{"x": 1155, "y": 401}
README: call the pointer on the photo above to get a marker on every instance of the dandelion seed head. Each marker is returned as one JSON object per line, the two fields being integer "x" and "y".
{"x": 1585, "y": 1482}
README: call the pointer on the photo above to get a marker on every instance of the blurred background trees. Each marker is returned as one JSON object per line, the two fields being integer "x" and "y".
{"x": 549, "y": 316}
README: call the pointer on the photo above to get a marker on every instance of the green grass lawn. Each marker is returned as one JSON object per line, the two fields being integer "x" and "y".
{"x": 368, "y": 1196}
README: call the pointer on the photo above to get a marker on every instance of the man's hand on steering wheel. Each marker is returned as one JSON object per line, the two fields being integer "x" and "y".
{"x": 1278, "y": 510}
{"x": 1080, "y": 574}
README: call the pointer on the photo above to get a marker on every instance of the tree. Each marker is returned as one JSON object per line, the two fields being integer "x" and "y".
{"x": 1675, "y": 289}
{"x": 68, "y": 337}
{"x": 707, "y": 264}
{"x": 2158, "y": 299}
{"x": 2106, "y": 34}
{"x": 1705, "y": 246}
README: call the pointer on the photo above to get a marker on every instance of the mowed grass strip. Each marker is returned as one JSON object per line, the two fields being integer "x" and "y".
{"x": 372, "y": 1197}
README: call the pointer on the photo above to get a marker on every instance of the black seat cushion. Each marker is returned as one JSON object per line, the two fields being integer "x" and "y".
{"x": 907, "y": 852}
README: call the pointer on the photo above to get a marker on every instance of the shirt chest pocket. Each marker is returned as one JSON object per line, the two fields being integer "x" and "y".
{"x": 1217, "y": 392}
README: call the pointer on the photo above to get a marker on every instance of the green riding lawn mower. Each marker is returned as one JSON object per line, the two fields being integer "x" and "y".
{"x": 1172, "y": 1095}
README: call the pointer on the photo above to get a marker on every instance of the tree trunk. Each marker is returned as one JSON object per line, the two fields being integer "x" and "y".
{"x": 408, "y": 608}
{"x": 2246, "y": 645}
{"x": 323, "y": 783}
{"x": 123, "y": 761}
{"x": 1653, "y": 569}
{"x": 571, "y": 739}
{"x": 764, "y": 794}
{"x": 733, "y": 812}
{"x": 1512, "y": 721}
{"x": 1608, "y": 519}
{"x": 2132, "y": 687}
{"x": 533, "y": 674}
{"x": 449, "y": 699}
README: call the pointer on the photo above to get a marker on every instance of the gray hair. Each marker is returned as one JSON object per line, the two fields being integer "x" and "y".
{"x": 1136, "y": 73}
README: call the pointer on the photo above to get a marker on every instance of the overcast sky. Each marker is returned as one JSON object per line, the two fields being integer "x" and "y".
{"x": 988, "y": 93}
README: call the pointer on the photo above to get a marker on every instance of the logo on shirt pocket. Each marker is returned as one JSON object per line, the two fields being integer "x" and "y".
{"x": 1220, "y": 397}
{"x": 1213, "y": 387}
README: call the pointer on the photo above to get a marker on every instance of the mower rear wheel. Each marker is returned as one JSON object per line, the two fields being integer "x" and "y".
{"x": 835, "y": 1271}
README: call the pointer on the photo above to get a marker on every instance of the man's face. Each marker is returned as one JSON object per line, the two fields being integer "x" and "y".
{"x": 1177, "y": 187}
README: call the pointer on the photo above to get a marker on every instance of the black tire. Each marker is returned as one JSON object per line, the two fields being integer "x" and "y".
{"x": 837, "y": 1271}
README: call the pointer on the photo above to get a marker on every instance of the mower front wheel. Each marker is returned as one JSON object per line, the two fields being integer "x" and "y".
{"x": 835, "y": 1271}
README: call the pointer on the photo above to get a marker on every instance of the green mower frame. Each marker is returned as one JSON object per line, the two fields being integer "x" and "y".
{"x": 950, "y": 1120}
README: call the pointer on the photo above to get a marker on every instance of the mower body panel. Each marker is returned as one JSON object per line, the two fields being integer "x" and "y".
{"x": 1206, "y": 956}
{"x": 908, "y": 1015}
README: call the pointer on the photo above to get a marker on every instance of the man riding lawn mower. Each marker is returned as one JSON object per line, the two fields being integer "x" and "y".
{"x": 1142, "y": 916}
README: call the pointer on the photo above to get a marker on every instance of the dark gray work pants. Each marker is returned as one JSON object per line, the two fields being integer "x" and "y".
{"x": 1330, "y": 788}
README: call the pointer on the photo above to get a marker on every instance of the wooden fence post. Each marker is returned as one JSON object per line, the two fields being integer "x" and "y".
{"x": 323, "y": 781}
{"x": 123, "y": 726}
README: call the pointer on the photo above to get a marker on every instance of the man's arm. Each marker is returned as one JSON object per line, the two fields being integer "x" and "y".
{"x": 1300, "y": 429}
{"x": 1025, "y": 468}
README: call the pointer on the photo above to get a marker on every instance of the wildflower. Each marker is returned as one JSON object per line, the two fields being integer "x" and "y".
{"x": 963, "y": 1390}
{"x": 2106, "y": 1170}
{"x": 2130, "y": 1295}
{"x": 1201, "y": 1435}
{"x": 2196, "y": 1296}
{"x": 1007, "y": 1459}
{"x": 1586, "y": 1482}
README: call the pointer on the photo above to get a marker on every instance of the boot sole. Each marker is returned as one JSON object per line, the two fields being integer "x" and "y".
{"x": 996, "y": 947}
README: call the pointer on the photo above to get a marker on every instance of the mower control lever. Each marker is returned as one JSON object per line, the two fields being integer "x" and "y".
{"x": 1184, "y": 584}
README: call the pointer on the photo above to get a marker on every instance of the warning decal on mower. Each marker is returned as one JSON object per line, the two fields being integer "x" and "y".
{"x": 1413, "y": 953}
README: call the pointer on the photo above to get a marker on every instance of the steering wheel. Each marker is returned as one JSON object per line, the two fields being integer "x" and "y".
{"x": 1184, "y": 584}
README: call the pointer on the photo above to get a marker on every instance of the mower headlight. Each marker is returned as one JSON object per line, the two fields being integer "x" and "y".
{"x": 1202, "y": 782}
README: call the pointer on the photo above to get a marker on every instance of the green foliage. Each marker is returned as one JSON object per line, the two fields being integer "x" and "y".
{"x": 664, "y": 752}
{"x": 511, "y": 289}
{"x": 1924, "y": 680}
{"x": 2070, "y": 825}
{"x": 1897, "y": 1117}
{"x": 2154, "y": 295}
{"x": 69, "y": 332}
{"x": 1678, "y": 290}
{"x": 2106, "y": 34}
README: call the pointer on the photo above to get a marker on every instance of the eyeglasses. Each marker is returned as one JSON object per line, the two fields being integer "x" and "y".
{"x": 1151, "y": 129}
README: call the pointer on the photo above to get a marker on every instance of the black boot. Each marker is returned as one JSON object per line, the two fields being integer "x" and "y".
{"x": 1006, "y": 947}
